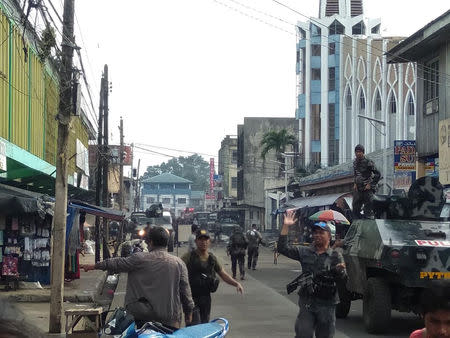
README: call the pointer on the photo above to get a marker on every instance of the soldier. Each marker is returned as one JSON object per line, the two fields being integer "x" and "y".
{"x": 236, "y": 249}
{"x": 203, "y": 266}
{"x": 366, "y": 180}
{"x": 253, "y": 238}
{"x": 318, "y": 301}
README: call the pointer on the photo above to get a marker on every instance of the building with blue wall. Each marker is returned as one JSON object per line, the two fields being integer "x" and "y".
{"x": 344, "y": 86}
{"x": 172, "y": 191}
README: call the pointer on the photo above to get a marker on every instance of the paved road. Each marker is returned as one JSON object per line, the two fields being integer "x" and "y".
{"x": 277, "y": 276}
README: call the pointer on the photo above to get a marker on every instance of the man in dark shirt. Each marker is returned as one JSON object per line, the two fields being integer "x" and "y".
{"x": 202, "y": 267}
{"x": 366, "y": 180}
{"x": 317, "y": 309}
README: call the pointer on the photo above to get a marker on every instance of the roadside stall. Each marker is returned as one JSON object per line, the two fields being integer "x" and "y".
{"x": 77, "y": 213}
{"x": 307, "y": 206}
{"x": 25, "y": 230}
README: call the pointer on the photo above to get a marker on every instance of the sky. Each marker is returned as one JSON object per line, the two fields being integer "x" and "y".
{"x": 185, "y": 73}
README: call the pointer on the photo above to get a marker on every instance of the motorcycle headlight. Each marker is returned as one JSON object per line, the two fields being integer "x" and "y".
{"x": 141, "y": 232}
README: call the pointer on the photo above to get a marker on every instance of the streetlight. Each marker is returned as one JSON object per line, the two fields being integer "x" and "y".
{"x": 383, "y": 123}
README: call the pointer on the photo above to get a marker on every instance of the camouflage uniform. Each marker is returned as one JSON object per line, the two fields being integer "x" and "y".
{"x": 236, "y": 249}
{"x": 365, "y": 173}
{"x": 316, "y": 315}
{"x": 253, "y": 238}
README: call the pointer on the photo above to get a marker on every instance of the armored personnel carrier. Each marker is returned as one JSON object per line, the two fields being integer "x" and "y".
{"x": 393, "y": 258}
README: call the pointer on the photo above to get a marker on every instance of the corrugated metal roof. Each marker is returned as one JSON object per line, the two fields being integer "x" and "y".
{"x": 166, "y": 178}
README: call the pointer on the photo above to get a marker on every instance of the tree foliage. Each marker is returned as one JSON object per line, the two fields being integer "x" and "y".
{"x": 276, "y": 140}
{"x": 193, "y": 168}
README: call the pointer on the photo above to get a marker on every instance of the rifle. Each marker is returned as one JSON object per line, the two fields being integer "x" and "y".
{"x": 305, "y": 280}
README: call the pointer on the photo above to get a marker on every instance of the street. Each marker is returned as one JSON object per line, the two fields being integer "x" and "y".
{"x": 275, "y": 278}
{"x": 265, "y": 310}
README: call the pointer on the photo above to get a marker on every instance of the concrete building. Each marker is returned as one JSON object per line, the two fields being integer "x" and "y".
{"x": 430, "y": 48}
{"x": 228, "y": 167}
{"x": 172, "y": 191}
{"x": 252, "y": 170}
{"x": 342, "y": 73}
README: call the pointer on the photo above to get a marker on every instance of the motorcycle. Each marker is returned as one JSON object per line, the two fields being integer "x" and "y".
{"x": 122, "y": 325}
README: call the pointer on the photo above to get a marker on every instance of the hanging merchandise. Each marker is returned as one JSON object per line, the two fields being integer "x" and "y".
{"x": 9, "y": 266}
{"x": 14, "y": 224}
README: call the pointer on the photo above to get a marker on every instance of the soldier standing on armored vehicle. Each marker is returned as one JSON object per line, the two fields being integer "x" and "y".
{"x": 366, "y": 180}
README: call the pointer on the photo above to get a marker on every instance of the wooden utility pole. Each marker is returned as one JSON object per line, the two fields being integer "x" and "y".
{"x": 106, "y": 159}
{"x": 137, "y": 201}
{"x": 98, "y": 187}
{"x": 121, "y": 158}
{"x": 59, "y": 219}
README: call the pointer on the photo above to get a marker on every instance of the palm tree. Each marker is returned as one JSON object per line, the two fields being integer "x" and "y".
{"x": 278, "y": 141}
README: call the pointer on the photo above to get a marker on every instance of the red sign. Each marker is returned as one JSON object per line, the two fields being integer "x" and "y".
{"x": 211, "y": 176}
{"x": 437, "y": 244}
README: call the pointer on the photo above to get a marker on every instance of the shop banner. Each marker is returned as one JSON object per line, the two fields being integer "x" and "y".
{"x": 404, "y": 164}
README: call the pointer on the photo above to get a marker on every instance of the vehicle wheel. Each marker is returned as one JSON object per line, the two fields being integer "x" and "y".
{"x": 170, "y": 245}
{"x": 377, "y": 306}
{"x": 345, "y": 302}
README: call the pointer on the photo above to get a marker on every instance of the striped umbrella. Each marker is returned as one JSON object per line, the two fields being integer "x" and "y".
{"x": 329, "y": 215}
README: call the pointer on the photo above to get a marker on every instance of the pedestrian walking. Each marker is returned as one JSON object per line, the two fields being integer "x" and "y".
{"x": 367, "y": 177}
{"x": 191, "y": 239}
{"x": 254, "y": 238}
{"x": 236, "y": 249}
{"x": 203, "y": 266}
{"x": 318, "y": 294}
{"x": 158, "y": 284}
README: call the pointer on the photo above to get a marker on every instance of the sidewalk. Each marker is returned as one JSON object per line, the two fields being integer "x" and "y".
{"x": 35, "y": 304}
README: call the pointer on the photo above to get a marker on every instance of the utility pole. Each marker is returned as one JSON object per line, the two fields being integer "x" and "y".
{"x": 106, "y": 159}
{"x": 121, "y": 165}
{"x": 137, "y": 200}
{"x": 98, "y": 187}
{"x": 59, "y": 219}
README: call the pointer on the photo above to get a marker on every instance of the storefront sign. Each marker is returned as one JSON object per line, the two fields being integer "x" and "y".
{"x": 444, "y": 151}
{"x": 404, "y": 164}
{"x": 211, "y": 180}
{"x": 82, "y": 159}
{"x": 2, "y": 156}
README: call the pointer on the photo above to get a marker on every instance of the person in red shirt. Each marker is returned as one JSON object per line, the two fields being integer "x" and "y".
{"x": 435, "y": 305}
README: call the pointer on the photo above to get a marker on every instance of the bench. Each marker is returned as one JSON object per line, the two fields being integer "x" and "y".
{"x": 92, "y": 318}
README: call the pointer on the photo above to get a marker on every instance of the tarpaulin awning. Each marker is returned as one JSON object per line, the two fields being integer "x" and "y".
{"x": 14, "y": 201}
{"x": 112, "y": 214}
{"x": 313, "y": 201}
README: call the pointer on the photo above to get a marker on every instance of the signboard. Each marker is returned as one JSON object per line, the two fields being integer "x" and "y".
{"x": 211, "y": 196}
{"x": 127, "y": 154}
{"x": 3, "y": 156}
{"x": 432, "y": 167}
{"x": 404, "y": 164}
{"x": 114, "y": 151}
{"x": 444, "y": 151}
{"x": 82, "y": 159}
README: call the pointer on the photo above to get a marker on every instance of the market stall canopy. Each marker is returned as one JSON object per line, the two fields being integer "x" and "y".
{"x": 108, "y": 213}
{"x": 14, "y": 201}
{"x": 313, "y": 201}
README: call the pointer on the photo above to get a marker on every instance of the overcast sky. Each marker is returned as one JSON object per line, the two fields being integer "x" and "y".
{"x": 185, "y": 72}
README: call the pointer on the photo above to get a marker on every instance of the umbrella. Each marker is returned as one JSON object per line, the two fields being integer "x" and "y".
{"x": 329, "y": 215}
